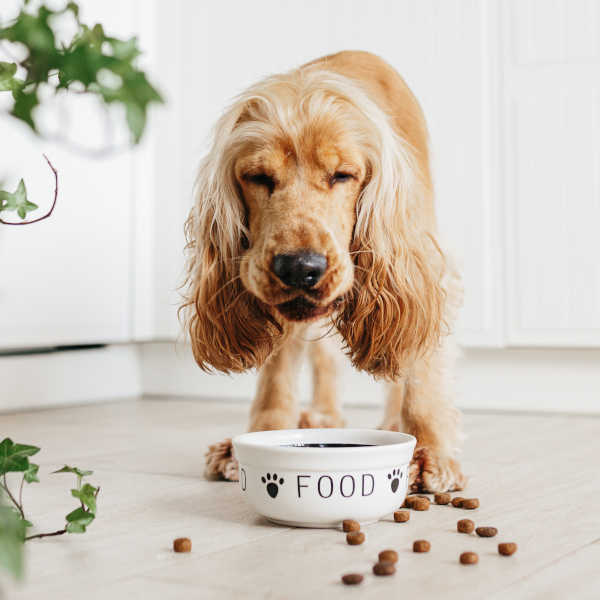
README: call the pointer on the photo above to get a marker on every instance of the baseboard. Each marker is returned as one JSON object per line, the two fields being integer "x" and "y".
{"x": 69, "y": 377}
{"x": 549, "y": 380}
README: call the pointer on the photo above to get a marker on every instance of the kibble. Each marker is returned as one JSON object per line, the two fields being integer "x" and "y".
{"x": 401, "y": 516}
{"x": 470, "y": 503}
{"x": 388, "y": 556}
{"x": 442, "y": 498}
{"x": 408, "y": 501}
{"x": 469, "y": 558}
{"x": 182, "y": 545}
{"x": 486, "y": 531}
{"x": 465, "y": 526}
{"x": 355, "y": 538}
{"x": 350, "y": 525}
{"x": 457, "y": 502}
{"x": 420, "y": 503}
{"x": 507, "y": 548}
{"x": 421, "y": 546}
{"x": 384, "y": 568}
{"x": 352, "y": 578}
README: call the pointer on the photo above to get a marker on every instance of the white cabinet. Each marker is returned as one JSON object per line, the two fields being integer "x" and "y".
{"x": 67, "y": 280}
{"x": 551, "y": 167}
{"x": 511, "y": 93}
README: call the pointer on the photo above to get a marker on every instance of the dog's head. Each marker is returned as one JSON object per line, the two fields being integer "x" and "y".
{"x": 307, "y": 207}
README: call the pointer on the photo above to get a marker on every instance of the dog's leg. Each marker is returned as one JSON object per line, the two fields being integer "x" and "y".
{"x": 274, "y": 406}
{"x": 421, "y": 405}
{"x": 324, "y": 410}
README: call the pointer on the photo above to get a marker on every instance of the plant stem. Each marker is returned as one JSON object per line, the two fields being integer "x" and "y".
{"x": 43, "y": 535}
{"x": 21, "y": 493}
{"x": 12, "y": 498}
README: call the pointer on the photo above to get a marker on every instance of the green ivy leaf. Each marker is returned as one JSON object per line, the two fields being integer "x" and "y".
{"x": 18, "y": 201}
{"x": 30, "y": 475}
{"x": 12, "y": 537}
{"x": 8, "y": 81}
{"x": 78, "y": 520}
{"x": 78, "y": 472}
{"x": 13, "y": 457}
{"x": 87, "y": 494}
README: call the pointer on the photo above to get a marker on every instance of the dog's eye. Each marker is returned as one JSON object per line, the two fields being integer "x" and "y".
{"x": 262, "y": 179}
{"x": 338, "y": 177}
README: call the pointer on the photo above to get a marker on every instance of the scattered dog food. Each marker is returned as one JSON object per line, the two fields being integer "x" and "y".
{"x": 408, "y": 501}
{"x": 469, "y": 558}
{"x": 486, "y": 531}
{"x": 182, "y": 545}
{"x": 352, "y": 578}
{"x": 470, "y": 503}
{"x": 421, "y": 546}
{"x": 388, "y": 556}
{"x": 384, "y": 568}
{"x": 442, "y": 498}
{"x": 350, "y": 525}
{"x": 355, "y": 538}
{"x": 457, "y": 502}
{"x": 507, "y": 548}
{"x": 420, "y": 503}
{"x": 401, "y": 516}
{"x": 465, "y": 526}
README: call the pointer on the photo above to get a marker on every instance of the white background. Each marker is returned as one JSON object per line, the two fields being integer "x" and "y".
{"x": 510, "y": 91}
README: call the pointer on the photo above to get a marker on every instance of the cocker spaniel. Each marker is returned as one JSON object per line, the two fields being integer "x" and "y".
{"x": 314, "y": 207}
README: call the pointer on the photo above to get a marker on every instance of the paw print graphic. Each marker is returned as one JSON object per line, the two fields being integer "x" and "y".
{"x": 395, "y": 476}
{"x": 272, "y": 484}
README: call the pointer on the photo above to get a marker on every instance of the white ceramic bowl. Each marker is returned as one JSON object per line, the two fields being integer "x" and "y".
{"x": 294, "y": 484}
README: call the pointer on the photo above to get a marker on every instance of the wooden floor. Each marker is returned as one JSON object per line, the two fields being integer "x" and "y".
{"x": 538, "y": 479}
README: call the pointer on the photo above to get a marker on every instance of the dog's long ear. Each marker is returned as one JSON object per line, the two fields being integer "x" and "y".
{"x": 229, "y": 328}
{"x": 395, "y": 310}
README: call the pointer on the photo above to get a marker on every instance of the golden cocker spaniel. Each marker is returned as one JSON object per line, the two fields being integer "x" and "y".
{"x": 314, "y": 208}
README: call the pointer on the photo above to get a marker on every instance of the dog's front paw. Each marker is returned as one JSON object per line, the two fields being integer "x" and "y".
{"x": 430, "y": 471}
{"x": 220, "y": 461}
{"x": 310, "y": 419}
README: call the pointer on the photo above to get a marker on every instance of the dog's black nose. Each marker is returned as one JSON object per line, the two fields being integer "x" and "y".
{"x": 300, "y": 269}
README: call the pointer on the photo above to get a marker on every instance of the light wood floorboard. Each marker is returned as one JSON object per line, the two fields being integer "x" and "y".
{"x": 537, "y": 477}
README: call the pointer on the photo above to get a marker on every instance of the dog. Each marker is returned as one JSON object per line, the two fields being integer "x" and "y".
{"x": 314, "y": 208}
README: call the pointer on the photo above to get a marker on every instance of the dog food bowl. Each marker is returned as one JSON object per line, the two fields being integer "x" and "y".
{"x": 319, "y": 477}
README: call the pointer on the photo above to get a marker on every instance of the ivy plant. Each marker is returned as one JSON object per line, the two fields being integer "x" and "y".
{"x": 92, "y": 62}
{"x": 14, "y": 525}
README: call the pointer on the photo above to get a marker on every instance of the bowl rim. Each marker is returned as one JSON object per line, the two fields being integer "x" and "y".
{"x": 265, "y": 446}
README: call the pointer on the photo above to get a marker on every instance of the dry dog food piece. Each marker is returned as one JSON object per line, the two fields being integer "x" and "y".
{"x": 507, "y": 548}
{"x": 388, "y": 556}
{"x": 421, "y": 546}
{"x": 465, "y": 526}
{"x": 457, "y": 502}
{"x": 442, "y": 498}
{"x": 420, "y": 503}
{"x": 350, "y": 525}
{"x": 408, "y": 501}
{"x": 182, "y": 545}
{"x": 469, "y": 558}
{"x": 401, "y": 516}
{"x": 384, "y": 568}
{"x": 355, "y": 538}
{"x": 352, "y": 578}
{"x": 486, "y": 531}
{"x": 470, "y": 503}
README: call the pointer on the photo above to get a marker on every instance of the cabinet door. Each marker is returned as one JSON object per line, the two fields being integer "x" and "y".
{"x": 552, "y": 166}
{"x": 66, "y": 280}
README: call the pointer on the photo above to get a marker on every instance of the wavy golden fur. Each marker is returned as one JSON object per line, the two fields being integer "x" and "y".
{"x": 330, "y": 158}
